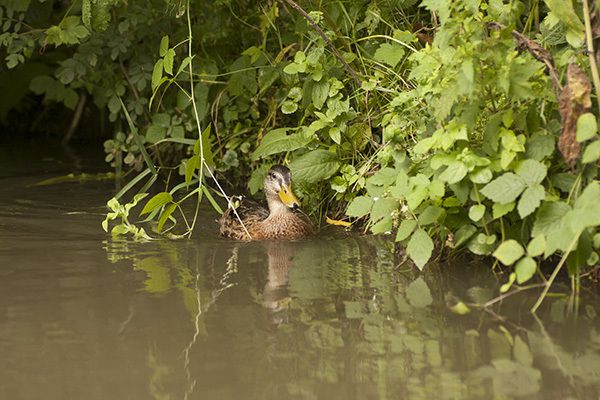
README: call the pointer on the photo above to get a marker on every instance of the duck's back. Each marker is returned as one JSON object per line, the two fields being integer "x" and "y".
{"x": 251, "y": 214}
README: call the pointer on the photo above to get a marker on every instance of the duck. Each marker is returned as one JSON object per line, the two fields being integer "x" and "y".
{"x": 281, "y": 220}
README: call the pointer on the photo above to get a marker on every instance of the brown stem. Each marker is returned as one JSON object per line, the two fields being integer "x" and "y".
{"x": 316, "y": 27}
{"x": 76, "y": 118}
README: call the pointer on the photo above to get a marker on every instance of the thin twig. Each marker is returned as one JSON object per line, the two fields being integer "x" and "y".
{"x": 509, "y": 294}
{"x": 554, "y": 274}
{"x": 317, "y": 28}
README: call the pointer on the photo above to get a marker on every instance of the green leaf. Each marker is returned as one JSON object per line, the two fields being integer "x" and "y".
{"x": 430, "y": 215}
{"x": 476, "y": 212}
{"x": 206, "y": 147}
{"x": 335, "y": 134}
{"x": 41, "y": 84}
{"x": 591, "y": 152}
{"x": 212, "y": 200}
{"x": 500, "y": 210}
{"x": 420, "y": 248}
{"x": 463, "y": 234}
{"x": 157, "y": 74}
{"x": 383, "y": 208}
{"x": 532, "y": 172}
{"x": 289, "y": 107}
{"x": 384, "y": 177}
{"x": 536, "y": 246}
{"x": 164, "y": 45}
{"x": 564, "y": 12}
{"x": 384, "y": 225}
{"x": 360, "y": 206}
{"x": 548, "y": 217}
{"x": 440, "y": 7}
{"x": 192, "y": 164}
{"x": 257, "y": 178}
{"x": 455, "y": 172}
{"x": 586, "y": 210}
{"x": 155, "y": 133}
{"x": 587, "y": 127}
{"x": 277, "y": 141}
{"x": 505, "y": 188}
{"x": 525, "y": 269}
{"x": 482, "y": 244}
{"x": 481, "y": 176}
{"x": 521, "y": 71}
{"x": 563, "y": 181}
{"x": 390, "y": 54}
{"x": 157, "y": 201}
{"x": 530, "y": 200}
{"x": 314, "y": 166}
{"x": 168, "y": 61}
{"x": 165, "y": 215}
{"x": 320, "y": 92}
{"x": 509, "y": 251}
{"x": 540, "y": 147}
{"x": 405, "y": 229}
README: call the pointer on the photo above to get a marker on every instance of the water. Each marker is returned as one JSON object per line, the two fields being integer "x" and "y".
{"x": 85, "y": 316}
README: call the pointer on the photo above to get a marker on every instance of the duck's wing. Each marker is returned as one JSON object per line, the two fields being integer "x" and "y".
{"x": 250, "y": 212}
{"x": 307, "y": 226}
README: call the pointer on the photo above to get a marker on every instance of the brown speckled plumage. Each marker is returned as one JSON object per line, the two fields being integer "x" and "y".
{"x": 280, "y": 221}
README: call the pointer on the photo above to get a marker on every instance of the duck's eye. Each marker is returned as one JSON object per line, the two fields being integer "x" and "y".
{"x": 271, "y": 175}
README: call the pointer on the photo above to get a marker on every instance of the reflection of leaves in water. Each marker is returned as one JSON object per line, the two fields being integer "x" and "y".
{"x": 418, "y": 293}
{"x": 499, "y": 344}
{"x": 165, "y": 269}
{"x": 356, "y": 321}
{"x": 159, "y": 374}
{"x": 354, "y": 309}
{"x": 521, "y": 352}
{"x": 157, "y": 275}
{"x": 510, "y": 378}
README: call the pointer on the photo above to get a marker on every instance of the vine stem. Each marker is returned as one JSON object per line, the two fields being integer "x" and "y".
{"x": 554, "y": 274}
{"x": 197, "y": 118}
{"x": 590, "y": 50}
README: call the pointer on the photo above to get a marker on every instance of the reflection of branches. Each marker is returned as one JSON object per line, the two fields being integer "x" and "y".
{"x": 187, "y": 350}
{"x": 552, "y": 347}
{"x": 230, "y": 270}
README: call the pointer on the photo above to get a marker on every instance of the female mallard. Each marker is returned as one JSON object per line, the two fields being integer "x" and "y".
{"x": 283, "y": 219}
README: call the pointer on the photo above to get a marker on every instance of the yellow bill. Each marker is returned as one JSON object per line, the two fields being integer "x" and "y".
{"x": 288, "y": 197}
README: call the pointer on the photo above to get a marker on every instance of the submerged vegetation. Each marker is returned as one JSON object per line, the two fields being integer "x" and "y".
{"x": 451, "y": 125}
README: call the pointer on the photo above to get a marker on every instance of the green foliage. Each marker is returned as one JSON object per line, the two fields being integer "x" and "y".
{"x": 446, "y": 138}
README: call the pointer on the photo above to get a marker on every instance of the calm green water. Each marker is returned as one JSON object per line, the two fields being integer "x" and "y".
{"x": 84, "y": 316}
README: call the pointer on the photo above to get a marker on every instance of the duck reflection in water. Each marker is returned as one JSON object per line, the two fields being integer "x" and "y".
{"x": 275, "y": 295}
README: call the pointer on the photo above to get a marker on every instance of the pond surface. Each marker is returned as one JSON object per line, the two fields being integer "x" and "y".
{"x": 339, "y": 316}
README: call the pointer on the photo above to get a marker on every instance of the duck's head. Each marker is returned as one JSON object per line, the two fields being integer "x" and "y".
{"x": 278, "y": 189}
